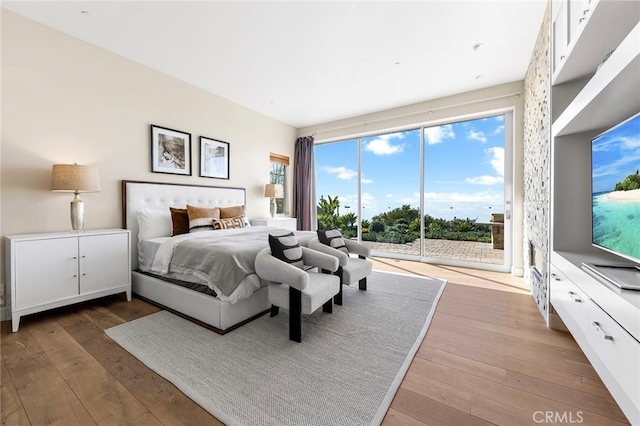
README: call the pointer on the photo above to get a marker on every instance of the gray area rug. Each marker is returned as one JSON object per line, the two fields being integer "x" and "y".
{"x": 345, "y": 372}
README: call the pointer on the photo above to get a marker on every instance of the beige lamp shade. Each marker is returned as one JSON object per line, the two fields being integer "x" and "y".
{"x": 274, "y": 190}
{"x": 74, "y": 178}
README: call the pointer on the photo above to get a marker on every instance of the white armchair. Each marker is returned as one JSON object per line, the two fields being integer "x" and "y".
{"x": 351, "y": 268}
{"x": 299, "y": 291}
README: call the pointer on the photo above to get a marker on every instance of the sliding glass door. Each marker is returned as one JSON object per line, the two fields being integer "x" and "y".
{"x": 436, "y": 193}
{"x": 390, "y": 192}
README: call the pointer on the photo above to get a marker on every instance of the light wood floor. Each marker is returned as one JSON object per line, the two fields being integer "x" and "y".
{"x": 487, "y": 359}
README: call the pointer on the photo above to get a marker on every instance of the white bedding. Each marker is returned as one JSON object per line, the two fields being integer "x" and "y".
{"x": 147, "y": 250}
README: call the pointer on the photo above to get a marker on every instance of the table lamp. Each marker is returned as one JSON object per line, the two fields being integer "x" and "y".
{"x": 273, "y": 191}
{"x": 75, "y": 178}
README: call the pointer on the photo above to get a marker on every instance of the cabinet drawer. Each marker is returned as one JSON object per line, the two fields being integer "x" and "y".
{"x": 569, "y": 301}
{"x": 616, "y": 348}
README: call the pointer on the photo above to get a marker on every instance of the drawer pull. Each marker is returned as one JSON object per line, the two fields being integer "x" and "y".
{"x": 575, "y": 297}
{"x": 562, "y": 57}
{"x": 555, "y": 277}
{"x": 606, "y": 336}
{"x": 75, "y": 276}
{"x": 584, "y": 12}
{"x": 74, "y": 257}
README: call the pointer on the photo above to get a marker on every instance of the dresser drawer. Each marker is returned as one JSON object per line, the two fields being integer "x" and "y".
{"x": 617, "y": 349}
{"x": 569, "y": 301}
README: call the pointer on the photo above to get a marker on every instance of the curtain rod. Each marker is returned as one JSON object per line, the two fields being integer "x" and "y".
{"x": 428, "y": 111}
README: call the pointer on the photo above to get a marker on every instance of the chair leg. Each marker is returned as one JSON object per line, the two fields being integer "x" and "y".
{"x": 328, "y": 306}
{"x": 295, "y": 315}
{"x": 274, "y": 310}
{"x": 362, "y": 284}
{"x": 337, "y": 299}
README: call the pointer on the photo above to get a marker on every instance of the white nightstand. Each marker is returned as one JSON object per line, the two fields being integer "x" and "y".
{"x": 51, "y": 270}
{"x": 279, "y": 222}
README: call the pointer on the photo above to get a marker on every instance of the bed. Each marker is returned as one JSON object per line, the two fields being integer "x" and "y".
{"x": 220, "y": 312}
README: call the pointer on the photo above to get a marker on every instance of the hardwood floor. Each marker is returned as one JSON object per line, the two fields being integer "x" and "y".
{"x": 488, "y": 358}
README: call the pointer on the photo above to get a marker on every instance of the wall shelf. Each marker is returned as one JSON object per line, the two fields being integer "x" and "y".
{"x": 606, "y": 24}
{"x": 607, "y": 97}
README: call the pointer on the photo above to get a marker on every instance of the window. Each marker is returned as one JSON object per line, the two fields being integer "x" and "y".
{"x": 278, "y": 174}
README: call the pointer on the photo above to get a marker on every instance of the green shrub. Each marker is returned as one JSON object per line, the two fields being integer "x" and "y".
{"x": 377, "y": 226}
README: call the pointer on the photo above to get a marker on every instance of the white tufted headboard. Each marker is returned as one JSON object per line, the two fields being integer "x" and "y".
{"x": 161, "y": 196}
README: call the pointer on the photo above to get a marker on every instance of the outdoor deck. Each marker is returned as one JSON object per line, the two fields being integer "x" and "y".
{"x": 445, "y": 249}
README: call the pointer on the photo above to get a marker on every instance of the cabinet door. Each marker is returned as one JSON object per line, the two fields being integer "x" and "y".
{"x": 104, "y": 262}
{"x": 45, "y": 270}
{"x": 560, "y": 34}
{"x": 578, "y": 10}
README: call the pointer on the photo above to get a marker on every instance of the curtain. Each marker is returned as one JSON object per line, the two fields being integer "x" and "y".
{"x": 304, "y": 184}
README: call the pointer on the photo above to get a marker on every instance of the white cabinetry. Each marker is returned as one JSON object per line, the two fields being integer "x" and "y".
{"x": 279, "y": 222}
{"x": 588, "y": 97}
{"x": 51, "y": 270}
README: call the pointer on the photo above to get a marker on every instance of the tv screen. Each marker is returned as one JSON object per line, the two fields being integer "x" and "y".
{"x": 615, "y": 176}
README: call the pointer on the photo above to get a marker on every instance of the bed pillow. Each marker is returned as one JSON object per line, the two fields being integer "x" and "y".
{"x": 201, "y": 218}
{"x": 179, "y": 221}
{"x": 229, "y": 212}
{"x": 228, "y": 223}
{"x": 333, "y": 238}
{"x": 286, "y": 248}
{"x": 153, "y": 224}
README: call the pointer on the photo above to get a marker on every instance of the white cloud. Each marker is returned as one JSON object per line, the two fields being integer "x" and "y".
{"x": 485, "y": 180}
{"x": 497, "y": 159}
{"x": 623, "y": 142}
{"x": 389, "y": 195}
{"x": 434, "y": 135}
{"x": 618, "y": 166}
{"x": 341, "y": 172}
{"x": 477, "y": 136}
{"x": 382, "y": 145}
{"x": 363, "y": 180}
{"x": 451, "y": 197}
{"x": 499, "y": 130}
{"x": 500, "y": 118}
{"x": 497, "y": 162}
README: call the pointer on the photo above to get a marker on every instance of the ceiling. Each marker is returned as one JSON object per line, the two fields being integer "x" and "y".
{"x": 306, "y": 63}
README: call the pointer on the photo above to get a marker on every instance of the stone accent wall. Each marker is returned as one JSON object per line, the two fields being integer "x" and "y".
{"x": 537, "y": 151}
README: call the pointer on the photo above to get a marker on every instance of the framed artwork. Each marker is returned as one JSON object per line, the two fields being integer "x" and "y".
{"x": 214, "y": 158}
{"x": 170, "y": 151}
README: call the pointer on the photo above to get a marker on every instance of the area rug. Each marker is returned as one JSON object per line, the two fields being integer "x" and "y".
{"x": 345, "y": 372}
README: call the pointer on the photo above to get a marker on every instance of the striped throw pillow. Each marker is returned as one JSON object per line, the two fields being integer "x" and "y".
{"x": 201, "y": 218}
{"x": 333, "y": 238}
{"x": 286, "y": 248}
{"x": 228, "y": 223}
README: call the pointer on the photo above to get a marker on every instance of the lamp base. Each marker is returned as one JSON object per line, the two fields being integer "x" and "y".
{"x": 77, "y": 213}
{"x": 273, "y": 208}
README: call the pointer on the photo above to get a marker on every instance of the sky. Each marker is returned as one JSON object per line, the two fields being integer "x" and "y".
{"x": 615, "y": 155}
{"x": 464, "y": 170}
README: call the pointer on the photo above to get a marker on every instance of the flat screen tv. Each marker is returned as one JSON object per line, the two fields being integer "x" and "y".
{"x": 615, "y": 184}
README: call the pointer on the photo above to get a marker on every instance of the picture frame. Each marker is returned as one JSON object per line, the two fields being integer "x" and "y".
{"x": 214, "y": 158}
{"x": 170, "y": 151}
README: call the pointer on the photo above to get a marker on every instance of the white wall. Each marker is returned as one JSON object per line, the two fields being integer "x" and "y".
{"x": 452, "y": 108}
{"x": 66, "y": 101}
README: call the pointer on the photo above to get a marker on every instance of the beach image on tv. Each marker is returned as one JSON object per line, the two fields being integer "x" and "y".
{"x": 615, "y": 160}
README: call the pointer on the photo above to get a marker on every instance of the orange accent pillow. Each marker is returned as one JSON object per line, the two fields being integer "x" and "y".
{"x": 200, "y": 218}
{"x": 229, "y": 212}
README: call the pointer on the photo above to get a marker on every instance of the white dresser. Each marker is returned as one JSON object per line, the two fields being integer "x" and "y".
{"x": 279, "y": 222}
{"x": 50, "y": 270}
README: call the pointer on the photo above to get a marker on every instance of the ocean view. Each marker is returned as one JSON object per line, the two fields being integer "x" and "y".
{"x": 615, "y": 224}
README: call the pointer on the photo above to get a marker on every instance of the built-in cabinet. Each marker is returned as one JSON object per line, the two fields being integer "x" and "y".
{"x": 595, "y": 85}
{"x": 51, "y": 270}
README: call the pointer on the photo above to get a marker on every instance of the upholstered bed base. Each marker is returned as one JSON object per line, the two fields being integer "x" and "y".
{"x": 202, "y": 307}
{"x": 220, "y": 315}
